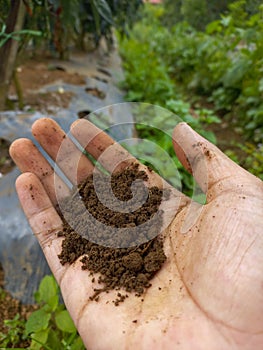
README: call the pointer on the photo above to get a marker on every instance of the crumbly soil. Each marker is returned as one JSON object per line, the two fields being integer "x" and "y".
{"x": 121, "y": 244}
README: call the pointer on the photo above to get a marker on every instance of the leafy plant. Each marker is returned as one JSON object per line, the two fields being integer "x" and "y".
{"x": 4, "y": 37}
{"x": 222, "y": 64}
{"x": 146, "y": 75}
{"x": 49, "y": 327}
{"x": 197, "y": 119}
{"x": 148, "y": 78}
{"x": 199, "y": 13}
{"x": 15, "y": 330}
{"x": 196, "y": 7}
{"x": 253, "y": 162}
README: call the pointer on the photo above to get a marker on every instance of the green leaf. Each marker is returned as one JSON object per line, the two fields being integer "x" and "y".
{"x": 226, "y": 20}
{"x": 16, "y": 35}
{"x": 37, "y": 321}
{"x": 77, "y": 344}
{"x": 199, "y": 198}
{"x": 38, "y": 339}
{"x": 3, "y": 29}
{"x": 54, "y": 339}
{"x": 48, "y": 290}
{"x": 214, "y": 26}
{"x": 104, "y": 10}
{"x": 261, "y": 85}
{"x": 236, "y": 72}
{"x": 96, "y": 16}
{"x": 52, "y": 304}
{"x": 134, "y": 96}
{"x": 64, "y": 322}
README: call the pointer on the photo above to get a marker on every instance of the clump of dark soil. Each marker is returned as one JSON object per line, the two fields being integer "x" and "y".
{"x": 122, "y": 244}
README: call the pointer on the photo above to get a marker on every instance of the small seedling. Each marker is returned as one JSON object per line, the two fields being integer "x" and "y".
{"x": 51, "y": 326}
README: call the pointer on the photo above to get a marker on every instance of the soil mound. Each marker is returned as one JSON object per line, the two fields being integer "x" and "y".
{"x": 122, "y": 245}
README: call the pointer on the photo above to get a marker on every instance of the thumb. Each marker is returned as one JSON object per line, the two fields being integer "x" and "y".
{"x": 213, "y": 170}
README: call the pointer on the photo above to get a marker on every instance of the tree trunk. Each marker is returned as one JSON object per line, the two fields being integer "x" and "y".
{"x": 8, "y": 51}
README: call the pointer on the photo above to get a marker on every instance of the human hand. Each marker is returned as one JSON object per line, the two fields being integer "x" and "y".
{"x": 208, "y": 293}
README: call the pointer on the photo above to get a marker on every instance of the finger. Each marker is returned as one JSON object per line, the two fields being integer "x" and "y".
{"x": 43, "y": 219}
{"x": 62, "y": 150}
{"x": 212, "y": 169}
{"x": 110, "y": 154}
{"x": 29, "y": 159}
{"x": 96, "y": 142}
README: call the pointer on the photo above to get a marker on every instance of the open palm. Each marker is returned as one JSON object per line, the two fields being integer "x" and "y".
{"x": 209, "y": 292}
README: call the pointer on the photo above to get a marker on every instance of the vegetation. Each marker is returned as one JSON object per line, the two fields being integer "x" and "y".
{"x": 49, "y": 327}
{"x": 80, "y": 22}
{"x": 219, "y": 67}
{"x": 57, "y": 26}
{"x": 14, "y": 335}
{"x": 198, "y": 13}
{"x": 62, "y": 23}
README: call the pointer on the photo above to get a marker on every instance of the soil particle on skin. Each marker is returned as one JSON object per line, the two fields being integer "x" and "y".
{"x": 122, "y": 246}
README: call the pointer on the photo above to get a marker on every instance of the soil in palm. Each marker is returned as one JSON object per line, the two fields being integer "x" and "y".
{"x": 119, "y": 241}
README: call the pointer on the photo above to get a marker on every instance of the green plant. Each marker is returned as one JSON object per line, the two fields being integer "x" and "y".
{"x": 196, "y": 7}
{"x": 15, "y": 330}
{"x": 222, "y": 64}
{"x": 66, "y": 22}
{"x": 148, "y": 78}
{"x": 4, "y": 37}
{"x": 199, "y": 13}
{"x": 197, "y": 118}
{"x": 146, "y": 75}
{"x": 251, "y": 158}
{"x": 50, "y": 327}
{"x": 155, "y": 148}
{"x": 253, "y": 161}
